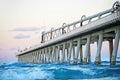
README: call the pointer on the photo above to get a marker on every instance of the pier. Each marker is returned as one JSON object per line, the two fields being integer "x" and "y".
{"x": 66, "y": 42}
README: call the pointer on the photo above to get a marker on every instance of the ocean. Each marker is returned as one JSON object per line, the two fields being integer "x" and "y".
{"x": 62, "y": 71}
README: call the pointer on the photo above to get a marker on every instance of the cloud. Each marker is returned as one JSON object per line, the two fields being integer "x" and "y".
{"x": 12, "y": 49}
{"x": 21, "y": 36}
{"x": 1, "y": 49}
{"x": 22, "y": 29}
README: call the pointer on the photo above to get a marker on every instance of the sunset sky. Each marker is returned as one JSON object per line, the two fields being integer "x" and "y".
{"x": 22, "y": 21}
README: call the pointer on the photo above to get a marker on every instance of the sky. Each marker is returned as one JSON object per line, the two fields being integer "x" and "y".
{"x": 22, "y": 21}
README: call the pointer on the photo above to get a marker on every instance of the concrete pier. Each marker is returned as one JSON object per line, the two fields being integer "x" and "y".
{"x": 65, "y": 43}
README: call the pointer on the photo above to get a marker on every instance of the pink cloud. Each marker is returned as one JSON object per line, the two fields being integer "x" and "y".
{"x": 21, "y": 36}
{"x": 26, "y": 29}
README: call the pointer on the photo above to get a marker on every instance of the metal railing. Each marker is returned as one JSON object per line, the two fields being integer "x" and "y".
{"x": 53, "y": 33}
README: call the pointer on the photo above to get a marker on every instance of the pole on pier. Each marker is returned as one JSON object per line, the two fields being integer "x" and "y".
{"x": 115, "y": 48}
{"x": 87, "y": 49}
{"x": 98, "y": 54}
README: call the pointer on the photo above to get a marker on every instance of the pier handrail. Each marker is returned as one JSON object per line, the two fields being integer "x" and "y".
{"x": 84, "y": 18}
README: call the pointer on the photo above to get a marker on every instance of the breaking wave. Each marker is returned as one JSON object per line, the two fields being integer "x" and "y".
{"x": 64, "y": 71}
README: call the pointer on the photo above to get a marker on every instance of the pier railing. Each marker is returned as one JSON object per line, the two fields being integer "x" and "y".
{"x": 66, "y": 28}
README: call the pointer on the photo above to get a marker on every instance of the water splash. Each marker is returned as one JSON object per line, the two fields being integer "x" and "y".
{"x": 22, "y": 71}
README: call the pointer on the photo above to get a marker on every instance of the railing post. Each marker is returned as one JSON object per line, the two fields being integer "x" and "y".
{"x": 42, "y": 38}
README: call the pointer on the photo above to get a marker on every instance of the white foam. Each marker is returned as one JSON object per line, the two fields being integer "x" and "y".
{"x": 84, "y": 70}
{"x": 25, "y": 74}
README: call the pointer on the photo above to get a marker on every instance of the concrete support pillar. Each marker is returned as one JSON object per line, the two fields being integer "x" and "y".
{"x": 73, "y": 53}
{"x": 98, "y": 54}
{"x": 87, "y": 50}
{"x": 110, "y": 48}
{"x": 29, "y": 57}
{"x": 49, "y": 50}
{"x": 18, "y": 58}
{"x": 67, "y": 53}
{"x": 63, "y": 53}
{"x": 70, "y": 51}
{"x": 39, "y": 57}
{"x": 42, "y": 55}
{"x": 35, "y": 57}
{"x": 32, "y": 57}
{"x": 115, "y": 48}
{"x": 89, "y": 55}
{"x": 45, "y": 55}
{"x": 53, "y": 52}
{"x": 77, "y": 53}
{"x": 81, "y": 54}
{"x": 57, "y": 54}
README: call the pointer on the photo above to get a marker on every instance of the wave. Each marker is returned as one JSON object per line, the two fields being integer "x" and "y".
{"x": 23, "y": 71}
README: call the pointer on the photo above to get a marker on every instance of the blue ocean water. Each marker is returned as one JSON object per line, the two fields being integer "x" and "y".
{"x": 63, "y": 71}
